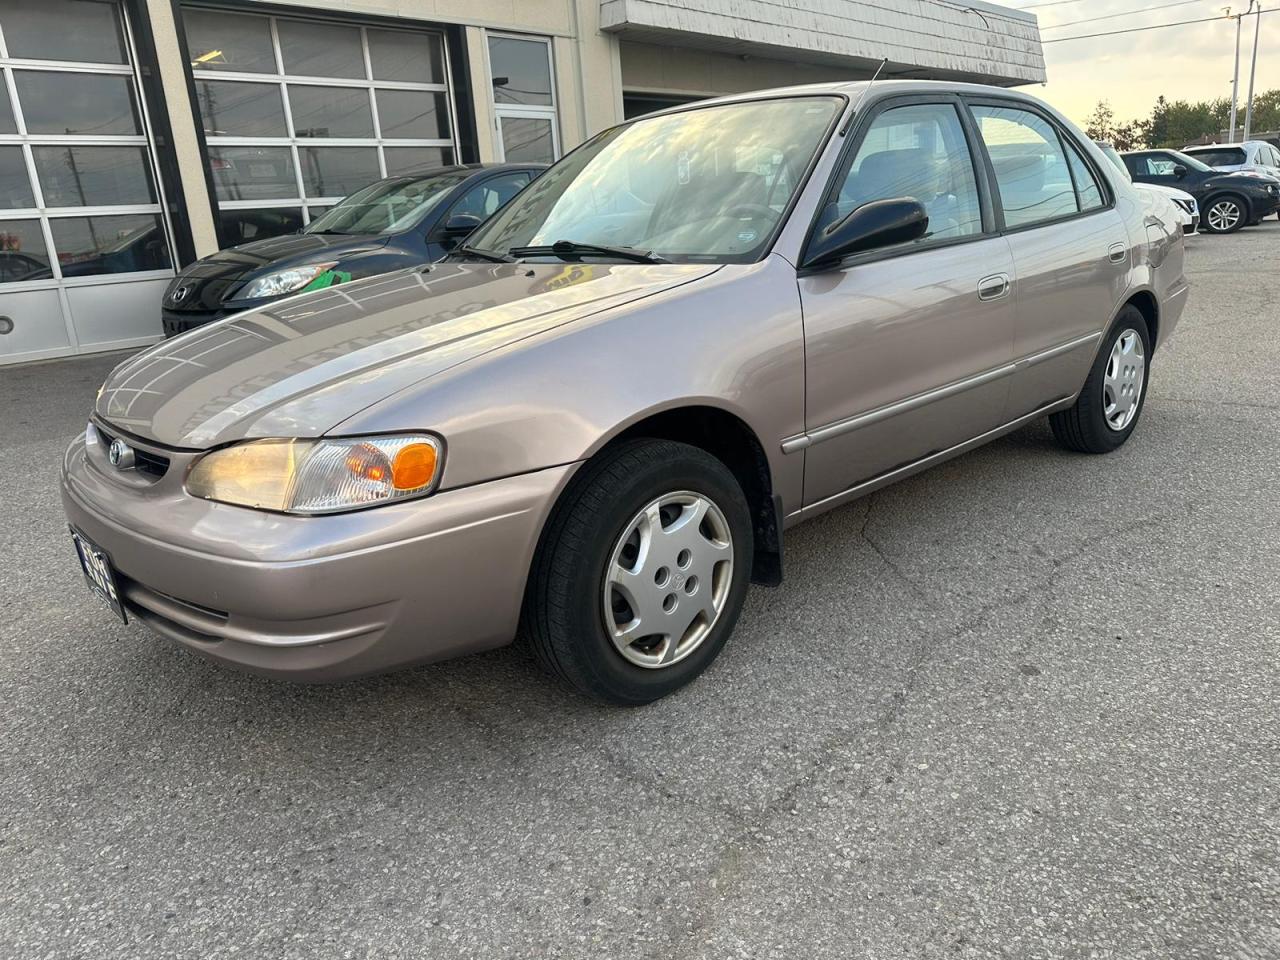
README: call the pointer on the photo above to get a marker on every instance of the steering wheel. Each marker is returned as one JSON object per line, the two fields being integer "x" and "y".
{"x": 756, "y": 211}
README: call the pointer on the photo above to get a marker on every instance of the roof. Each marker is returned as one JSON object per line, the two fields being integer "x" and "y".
{"x": 855, "y": 89}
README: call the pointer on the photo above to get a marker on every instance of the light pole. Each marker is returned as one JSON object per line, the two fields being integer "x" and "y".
{"x": 1248, "y": 109}
{"x": 1235, "y": 75}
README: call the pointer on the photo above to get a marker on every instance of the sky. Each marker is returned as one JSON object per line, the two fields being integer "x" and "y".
{"x": 1130, "y": 70}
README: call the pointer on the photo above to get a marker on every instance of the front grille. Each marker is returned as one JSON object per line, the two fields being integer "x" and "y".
{"x": 144, "y": 461}
{"x": 150, "y": 463}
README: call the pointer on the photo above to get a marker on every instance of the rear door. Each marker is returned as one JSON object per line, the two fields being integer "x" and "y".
{"x": 907, "y": 348}
{"x": 1071, "y": 251}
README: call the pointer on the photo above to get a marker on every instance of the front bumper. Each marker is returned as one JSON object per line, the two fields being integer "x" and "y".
{"x": 176, "y": 322}
{"x": 313, "y": 598}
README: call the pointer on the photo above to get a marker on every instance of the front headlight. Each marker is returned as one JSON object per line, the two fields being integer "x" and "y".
{"x": 318, "y": 476}
{"x": 284, "y": 281}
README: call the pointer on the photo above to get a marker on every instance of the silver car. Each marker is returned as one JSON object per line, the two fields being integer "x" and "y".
{"x": 593, "y": 423}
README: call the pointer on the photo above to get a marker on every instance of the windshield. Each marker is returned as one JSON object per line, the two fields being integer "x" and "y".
{"x": 1114, "y": 157}
{"x": 387, "y": 206}
{"x": 707, "y": 184}
{"x": 1219, "y": 156}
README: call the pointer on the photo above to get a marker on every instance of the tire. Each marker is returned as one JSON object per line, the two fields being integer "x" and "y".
{"x": 602, "y": 533}
{"x": 1094, "y": 423}
{"x": 1229, "y": 210}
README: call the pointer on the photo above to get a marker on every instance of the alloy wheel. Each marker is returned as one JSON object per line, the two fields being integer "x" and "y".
{"x": 1123, "y": 379}
{"x": 668, "y": 578}
{"x": 1224, "y": 215}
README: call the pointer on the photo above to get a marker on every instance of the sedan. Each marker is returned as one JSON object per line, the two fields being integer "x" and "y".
{"x": 395, "y": 223}
{"x": 594, "y": 422}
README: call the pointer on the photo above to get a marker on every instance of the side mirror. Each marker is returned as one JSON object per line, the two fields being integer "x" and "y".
{"x": 1179, "y": 171}
{"x": 460, "y": 225}
{"x": 880, "y": 223}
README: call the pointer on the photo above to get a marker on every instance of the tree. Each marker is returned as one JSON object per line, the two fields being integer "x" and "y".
{"x": 1101, "y": 123}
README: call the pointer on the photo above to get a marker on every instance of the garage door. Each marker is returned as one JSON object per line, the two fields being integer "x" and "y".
{"x": 299, "y": 113}
{"x": 85, "y": 250}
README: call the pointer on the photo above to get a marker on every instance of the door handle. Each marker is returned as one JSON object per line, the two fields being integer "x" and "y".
{"x": 1117, "y": 252}
{"x": 993, "y": 287}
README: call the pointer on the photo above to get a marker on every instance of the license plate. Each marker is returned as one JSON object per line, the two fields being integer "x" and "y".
{"x": 98, "y": 573}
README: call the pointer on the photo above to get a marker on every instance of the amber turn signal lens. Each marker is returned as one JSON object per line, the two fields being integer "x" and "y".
{"x": 414, "y": 466}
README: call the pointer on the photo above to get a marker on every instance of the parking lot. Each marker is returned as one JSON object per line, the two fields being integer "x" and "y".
{"x": 1024, "y": 705}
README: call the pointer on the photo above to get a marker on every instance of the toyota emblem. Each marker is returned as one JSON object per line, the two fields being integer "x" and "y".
{"x": 179, "y": 294}
{"x": 121, "y": 455}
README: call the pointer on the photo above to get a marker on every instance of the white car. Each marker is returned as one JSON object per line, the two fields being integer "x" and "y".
{"x": 1253, "y": 157}
{"x": 1186, "y": 210}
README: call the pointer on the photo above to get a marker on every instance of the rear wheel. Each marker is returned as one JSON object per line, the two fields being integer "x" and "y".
{"x": 1107, "y": 410}
{"x": 1225, "y": 213}
{"x": 642, "y": 572}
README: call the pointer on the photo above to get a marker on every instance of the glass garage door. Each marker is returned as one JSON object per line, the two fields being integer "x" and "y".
{"x": 297, "y": 114}
{"x": 85, "y": 252}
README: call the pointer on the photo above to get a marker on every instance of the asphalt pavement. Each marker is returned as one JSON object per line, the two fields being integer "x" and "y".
{"x": 1025, "y": 705}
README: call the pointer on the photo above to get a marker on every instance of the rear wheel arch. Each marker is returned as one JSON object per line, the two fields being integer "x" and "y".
{"x": 1145, "y": 302}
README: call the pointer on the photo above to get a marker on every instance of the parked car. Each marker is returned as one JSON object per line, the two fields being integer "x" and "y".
{"x": 397, "y": 222}
{"x": 1252, "y": 157}
{"x": 1185, "y": 208}
{"x": 1228, "y": 201}
{"x": 598, "y": 415}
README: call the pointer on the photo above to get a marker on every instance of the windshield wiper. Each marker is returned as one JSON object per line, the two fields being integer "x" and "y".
{"x": 489, "y": 255}
{"x": 568, "y": 249}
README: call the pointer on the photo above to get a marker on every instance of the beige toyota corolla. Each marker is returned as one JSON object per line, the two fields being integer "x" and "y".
{"x": 592, "y": 424}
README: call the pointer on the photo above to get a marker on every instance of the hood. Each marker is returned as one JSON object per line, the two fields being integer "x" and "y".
{"x": 1161, "y": 189}
{"x": 206, "y": 283}
{"x": 302, "y": 365}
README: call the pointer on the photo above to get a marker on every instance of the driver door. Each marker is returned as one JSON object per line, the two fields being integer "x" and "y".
{"x": 907, "y": 347}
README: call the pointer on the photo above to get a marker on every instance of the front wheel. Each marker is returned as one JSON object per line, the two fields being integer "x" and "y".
{"x": 1226, "y": 213}
{"x": 1107, "y": 410}
{"x": 641, "y": 573}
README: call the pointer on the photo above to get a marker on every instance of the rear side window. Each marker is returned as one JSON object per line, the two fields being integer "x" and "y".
{"x": 1219, "y": 156}
{"x": 916, "y": 150}
{"x": 1031, "y": 167}
{"x": 1088, "y": 190}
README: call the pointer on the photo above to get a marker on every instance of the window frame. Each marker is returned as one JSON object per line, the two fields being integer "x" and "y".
{"x": 1064, "y": 138}
{"x": 849, "y": 152}
{"x": 310, "y": 206}
{"x": 523, "y": 111}
{"x": 131, "y": 71}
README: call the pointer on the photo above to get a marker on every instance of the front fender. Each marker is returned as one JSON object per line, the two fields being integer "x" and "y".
{"x": 733, "y": 340}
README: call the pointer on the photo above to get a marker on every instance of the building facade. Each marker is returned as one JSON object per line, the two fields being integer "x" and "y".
{"x": 139, "y": 135}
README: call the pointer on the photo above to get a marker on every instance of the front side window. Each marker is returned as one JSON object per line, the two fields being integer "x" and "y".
{"x": 916, "y": 151}
{"x": 1031, "y": 167}
{"x": 486, "y": 199}
{"x": 707, "y": 184}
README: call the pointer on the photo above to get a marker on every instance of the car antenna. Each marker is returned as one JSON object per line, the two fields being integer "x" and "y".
{"x": 865, "y": 90}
